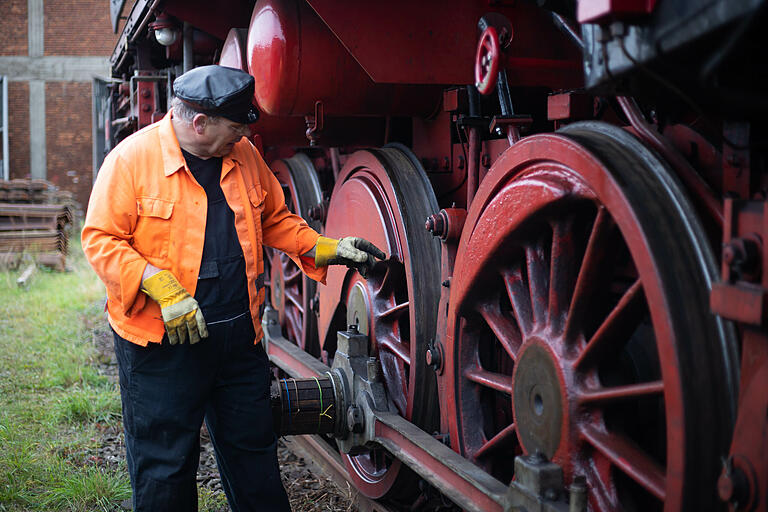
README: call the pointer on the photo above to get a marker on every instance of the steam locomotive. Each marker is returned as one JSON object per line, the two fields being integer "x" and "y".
{"x": 573, "y": 197}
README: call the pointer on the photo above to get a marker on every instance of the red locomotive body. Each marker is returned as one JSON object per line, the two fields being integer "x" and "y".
{"x": 582, "y": 321}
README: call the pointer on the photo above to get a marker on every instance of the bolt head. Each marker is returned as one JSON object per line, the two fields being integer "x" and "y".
{"x": 354, "y": 419}
{"x": 725, "y": 487}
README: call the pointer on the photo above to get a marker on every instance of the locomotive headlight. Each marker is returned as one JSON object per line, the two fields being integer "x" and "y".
{"x": 166, "y": 29}
{"x": 166, "y": 36}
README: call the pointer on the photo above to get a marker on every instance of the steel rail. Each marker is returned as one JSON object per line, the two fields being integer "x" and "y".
{"x": 321, "y": 455}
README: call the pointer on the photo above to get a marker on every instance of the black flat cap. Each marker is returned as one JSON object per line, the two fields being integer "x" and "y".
{"x": 218, "y": 91}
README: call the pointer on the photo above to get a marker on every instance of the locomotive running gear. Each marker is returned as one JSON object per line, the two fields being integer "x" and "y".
{"x": 181, "y": 313}
{"x": 350, "y": 251}
{"x": 224, "y": 379}
{"x": 218, "y": 91}
{"x": 146, "y": 207}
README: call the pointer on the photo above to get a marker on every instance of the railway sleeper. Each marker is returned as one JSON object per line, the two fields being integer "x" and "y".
{"x": 349, "y": 402}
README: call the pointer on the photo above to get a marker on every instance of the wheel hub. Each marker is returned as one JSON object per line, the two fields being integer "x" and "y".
{"x": 357, "y": 308}
{"x": 538, "y": 401}
{"x": 277, "y": 284}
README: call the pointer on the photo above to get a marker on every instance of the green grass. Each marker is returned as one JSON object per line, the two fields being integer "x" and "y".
{"x": 53, "y": 401}
{"x": 52, "y": 397}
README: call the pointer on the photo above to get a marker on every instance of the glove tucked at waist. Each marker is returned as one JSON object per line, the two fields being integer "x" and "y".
{"x": 181, "y": 313}
{"x": 350, "y": 251}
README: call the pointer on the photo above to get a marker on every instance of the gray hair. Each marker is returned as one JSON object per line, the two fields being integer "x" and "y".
{"x": 187, "y": 113}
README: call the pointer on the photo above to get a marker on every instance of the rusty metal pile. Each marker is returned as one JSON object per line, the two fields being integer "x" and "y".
{"x": 36, "y": 220}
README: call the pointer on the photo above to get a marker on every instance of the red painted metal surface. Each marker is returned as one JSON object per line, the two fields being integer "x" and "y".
{"x": 705, "y": 198}
{"x": 531, "y": 338}
{"x": 296, "y": 61}
{"x": 600, "y": 11}
{"x": 233, "y": 51}
{"x": 742, "y": 296}
{"x": 145, "y": 103}
{"x": 411, "y": 27}
{"x": 216, "y": 21}
{"x": 742, "y": 482}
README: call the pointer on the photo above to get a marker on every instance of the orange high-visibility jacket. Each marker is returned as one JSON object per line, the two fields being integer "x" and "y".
{"x": 146, "y": 207}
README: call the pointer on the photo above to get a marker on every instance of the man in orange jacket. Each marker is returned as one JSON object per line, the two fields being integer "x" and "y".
{"x": 175, "y": 227}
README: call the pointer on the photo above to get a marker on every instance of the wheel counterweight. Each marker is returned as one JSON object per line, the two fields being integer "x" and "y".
{"x": 566, "y": 332}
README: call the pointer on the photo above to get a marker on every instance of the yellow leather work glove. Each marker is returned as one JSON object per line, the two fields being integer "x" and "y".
{"x": 181, "y": 313}
{"x": 350, "y": 251}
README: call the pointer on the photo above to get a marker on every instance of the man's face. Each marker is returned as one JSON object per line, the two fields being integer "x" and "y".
{"x": 220, "y": 135}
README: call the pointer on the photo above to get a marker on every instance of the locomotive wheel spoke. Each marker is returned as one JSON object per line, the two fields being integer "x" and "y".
{"x": 504, "y": 328}
{"x": 627, "y": 457}
{"x": 502, "y": 439}
{"x": 391, "y": 279}
{"x": 603, "y": 493}
{"x": 294, "y": 275}
{"x": 497, "y": 381}
{"x": 395, "y": 375}
{"x": 292, "y": 296}
{"x": 398, "y": 347}
{"x": 519, "y": 298}
{"x": 561, "y": 275}
{"x": 393, "y": 313}
{"x": 616, "y": 328}
{"x": 538, "y": 281}
{"x": 619, "y": 393}
{"x": 589, "y": 273}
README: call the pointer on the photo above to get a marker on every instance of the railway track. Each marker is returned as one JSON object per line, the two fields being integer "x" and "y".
{"x": 324, "y": 458}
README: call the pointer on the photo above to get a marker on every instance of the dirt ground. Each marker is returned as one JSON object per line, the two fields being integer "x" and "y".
{"x": 307, "y": 490}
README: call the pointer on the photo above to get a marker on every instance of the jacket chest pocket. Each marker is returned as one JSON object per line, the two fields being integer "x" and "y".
{"x": 153, "y": 226}
{"x": 256, "y": 198}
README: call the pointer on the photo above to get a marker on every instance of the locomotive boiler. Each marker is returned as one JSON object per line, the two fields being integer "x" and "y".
{"x": 572, "y": 198}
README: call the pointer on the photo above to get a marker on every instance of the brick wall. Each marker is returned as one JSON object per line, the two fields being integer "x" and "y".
{"x": 70, "y": 28}
{"x": 79, "y": 27}
{"x": 13, "y": 27}
{"x": 68, "y": 137}
{"x": 18, "y": 129}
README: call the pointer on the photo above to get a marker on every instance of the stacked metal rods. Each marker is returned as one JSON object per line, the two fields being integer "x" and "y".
{"x": 27, "y": 226}
{"x": 303, "y": 406}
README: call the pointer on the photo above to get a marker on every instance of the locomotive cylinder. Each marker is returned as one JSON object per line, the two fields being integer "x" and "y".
{"x": 303, "y": 406}
{"x": 296, "y": 60}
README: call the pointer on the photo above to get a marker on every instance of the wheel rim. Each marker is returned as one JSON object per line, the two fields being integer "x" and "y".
{"x": 397, "y": 305}
{"x": 563, "y": 337}
{"x": 290, "y": 292}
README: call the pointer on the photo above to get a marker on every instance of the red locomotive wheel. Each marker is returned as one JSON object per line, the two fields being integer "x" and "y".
{"x": 290, "y": 292}
{"x": 384, "y": 196}
{"x": 579, "y": 325}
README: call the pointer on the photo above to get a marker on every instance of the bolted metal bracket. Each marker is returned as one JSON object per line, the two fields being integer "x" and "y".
{"x": 358, "y": 379}
{"x": 538, "y": 486}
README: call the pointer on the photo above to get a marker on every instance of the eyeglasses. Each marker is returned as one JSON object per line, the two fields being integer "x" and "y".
{"x": 240, "y": 129}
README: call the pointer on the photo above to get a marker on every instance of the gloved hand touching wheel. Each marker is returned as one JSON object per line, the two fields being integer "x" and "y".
{"x": 181, "y": 313}
{"x": 350, "y": 251}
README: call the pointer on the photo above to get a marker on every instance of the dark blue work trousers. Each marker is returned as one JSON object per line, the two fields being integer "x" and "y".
{"x": 167, "y": 391}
